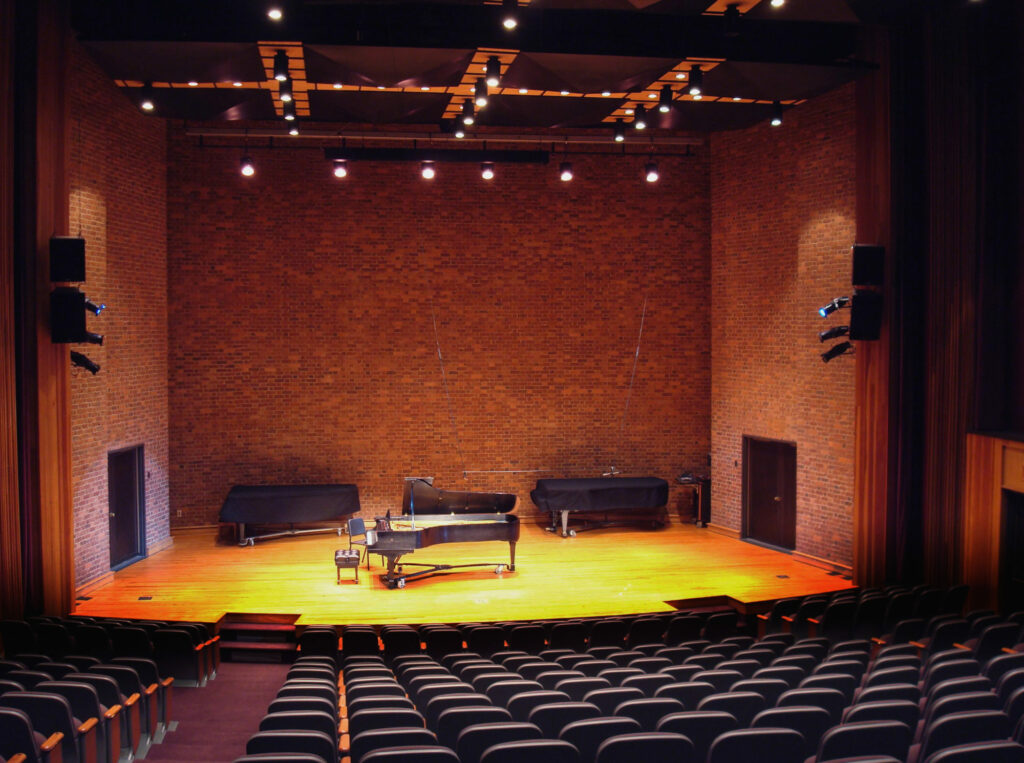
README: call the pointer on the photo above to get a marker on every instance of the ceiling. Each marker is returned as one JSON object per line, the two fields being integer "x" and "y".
{"x": 569, "y": 65}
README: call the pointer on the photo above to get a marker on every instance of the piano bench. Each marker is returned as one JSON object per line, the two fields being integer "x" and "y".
{"x": 347, "y": 557}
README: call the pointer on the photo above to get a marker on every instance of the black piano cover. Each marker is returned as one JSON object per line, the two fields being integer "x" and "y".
{"x": 424, "y": 498}
{"x": 600, "y": 494}
{"x": 286, "y": 504}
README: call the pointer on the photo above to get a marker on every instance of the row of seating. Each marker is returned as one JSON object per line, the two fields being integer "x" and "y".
{"x": 83, "y": 710}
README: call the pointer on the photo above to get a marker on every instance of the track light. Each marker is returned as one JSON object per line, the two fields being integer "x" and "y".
{"x": 275, "y": 13}
{"x": 776, "y": 114}
{"x": 778, "y": 3}
{"x": 80, "y": 360}
{"x": 565, "y": 171}
{"x": 293, "y": 130}
{"x": 285, "y": 91}
{"x": 427, "y": 170}
{"x": 834, "y": 305}
{"x": 696, "y": 81}
{"x": 340, "y": 168}
{"x": 833, "y": 333}
{"x": 480, "y": 93}
{"x": 246, "y": 167}
{"x": 640, "y": 117}
{"x": 493, "y": 71}
{"x": 620, "y": 131}
{"x": 146, "y": 103}
{"x": 289, "y": 110}
{"x": 509, "y": 14}
{"x": 835, "y": 351}
{"x": 665, "y": 101}
{"x": 468, "y": 112}
{"x": 281, "y": 65}
{"x": 651, "y": 172}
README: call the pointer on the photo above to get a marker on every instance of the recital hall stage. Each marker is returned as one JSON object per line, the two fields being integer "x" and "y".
{"x": 603, "y": 572}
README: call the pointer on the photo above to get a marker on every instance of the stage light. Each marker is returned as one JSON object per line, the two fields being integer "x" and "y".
{"x": 285, "y": 91}
{"x": 509, "y": 14}
{"x": 835, "y": 351}
{"x": 565, "y": 171}
{"x": 651, "y": 172}
{"x": 246, "y": 167}
{"x": 340, "y": 168}
{"x": 487, "y": 170}
{"x": 640, "y": 117}
{"x": 289, "y": 111}
{"x": 80, "y": 360}
{"x": 146, "y": 103}
{"x": 281, "y": 65}
{"x": 460, "y": 131}
{"x": 778, "y": 3}
{"x": 293, "y": 130}
{"x": 468, "y": 112}
{"x": 480, "y": 93}
{"x": 274, "y": 13}
{"x": 776, "y": 114}
{"x": 93, "y": 308}
{"x": 493, "y": 71}
{"x": 696, "y": 81}
{"x": 831, "y": 307}
{"x": 620, "y": 131}
{"x": 427, "y": 170}
{"x": 665, "y": 101}
{"x": 833, "y": 333}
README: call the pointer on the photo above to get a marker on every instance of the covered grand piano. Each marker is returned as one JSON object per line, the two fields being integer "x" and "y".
{"x": 641, "y": 497}
{"x": 431, "y": 516}
{"x": 288, "y": 505}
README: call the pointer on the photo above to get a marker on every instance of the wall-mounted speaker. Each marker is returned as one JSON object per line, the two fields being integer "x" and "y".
{"x": 67, "y": 259}
{"x": 868, "y": 265}
{"x": 865, "y": 315}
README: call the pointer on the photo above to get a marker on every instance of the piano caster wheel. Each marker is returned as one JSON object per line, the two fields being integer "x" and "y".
{"x": 572, "y": 534}
{"x": 400, "y": 582}
{"x": 250, "y": 541}
{"x": 499, "y": 569}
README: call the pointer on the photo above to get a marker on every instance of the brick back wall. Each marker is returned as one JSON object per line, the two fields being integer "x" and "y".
{"x": 303, "y": 312}
{"x": 783, "y": 214}
{"x": 117, "y": 165}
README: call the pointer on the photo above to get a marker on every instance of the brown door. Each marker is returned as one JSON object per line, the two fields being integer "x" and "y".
{"x": 125, "y": 496}
{"x": 769, "y": 492}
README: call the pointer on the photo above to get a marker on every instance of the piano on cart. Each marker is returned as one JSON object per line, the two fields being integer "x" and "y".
{"x": 431, "y": 516}
{"x": 290, "y": 505}
{"x": 642, "y": 498}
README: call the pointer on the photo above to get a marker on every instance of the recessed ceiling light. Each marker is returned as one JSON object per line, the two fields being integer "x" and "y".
{"x": 340, "y": 168}
{"x": 293, "y": 130}
{"x": 629, "y": 111}
{"x": 606, "y": 93}
{"x": 427, "y": 170}
{"x": 565, "y": 92}
{"x": 778, "y": 3}
{"x": 424, "y": 87}
{"x": 737, "y": 98}
{"x": 698, "y": 97}
{"x": 652, "y": 95}
{"x": 680, "y": 75}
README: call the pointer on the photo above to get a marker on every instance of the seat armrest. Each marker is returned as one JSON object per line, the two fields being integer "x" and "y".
{"x": 132, "y": 700}
{"x": 814, "y": 620}
{"x": 87, "y": 726}
{"x": 113, "y": 712}
{"x": 52, "y": 742}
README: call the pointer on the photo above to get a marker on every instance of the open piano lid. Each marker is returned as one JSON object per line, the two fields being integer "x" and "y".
{"x": 422, "y": 496}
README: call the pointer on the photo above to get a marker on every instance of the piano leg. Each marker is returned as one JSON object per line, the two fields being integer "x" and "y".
{"x": 512, "y": 555}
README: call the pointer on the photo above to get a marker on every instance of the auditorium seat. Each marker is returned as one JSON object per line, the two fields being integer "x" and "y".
{"x": 674, "y": 654}
{"x": 294, "y": 704}
{"x": 593, "y": 667}
{"x": 720, "y": 679}
{"x": 866, "y": 738}
{"x": 587, "y": 734}
{"x": 293, "y": 741}
{"x": 441, "y": 641}
{"x": 438, "y": 704}
{"x": 482, "y": 681}
{"x": 764, "y": 745}
{"x": 158, "y": 688}
{"x": 1003, "y": 751}
{"x": 28, "y": 678}
{"x": 831, "y": 700}
{"x": 110, "y": 695}
{"x": 131, "y": 641}
{"x": 521, "y": 704}
{"x": 904, "y": 711}
{"x": 742, "y": 705}
{"x": 789, "y": 675}
{"x": 411, "y": 754}
{"x": 550, "y": 678}
{"x": 280, "y": 757}
{"x": 372, "y": 739}
{"x": 54, "y": 639}
{"x": 530, "y": 638}
{"x": 56, "y": 669}
{"x": 426, "y": 692}
{"x": 501, "y": 692}
{"x": 50, "y": 714}
{"x": 305, "y": 720}
{"x": 690, "y": 693}
{"x": 769, "y": 688}
{"x": 18, "y": 637}
{"x": 577, "y": 688}
{"x": 366, "y": 703}
{"x": 85, "y": 703}
{"x": 533, "y": 750}
{"x": 361, "y": 690}
{"x": 647, "y": 711}
{"x": 18, "y": 737}
{"x": 176, "y": 654}
{"x": 552, "y": 717}
{"x": 811, "y": 722}
{"x": 958, "y": 729}
{"x": 568, "y": 635}
{"x": 609, "y": 699}
{"x": 452, "y": 721}
{"x": 475, "y": 739}
{"x": 842, "y": 682}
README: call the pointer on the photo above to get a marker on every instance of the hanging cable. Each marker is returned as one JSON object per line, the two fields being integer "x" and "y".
{"x": 447, "y": 394}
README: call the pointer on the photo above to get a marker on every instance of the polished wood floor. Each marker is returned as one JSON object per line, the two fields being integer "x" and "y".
{"x": 609, "y": 571}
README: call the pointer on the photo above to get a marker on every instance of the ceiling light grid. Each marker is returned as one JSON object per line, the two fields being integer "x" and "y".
{"x": 296, "y": 73}
{"x": 477, "y": 69}
{"x": 677, "y": 78}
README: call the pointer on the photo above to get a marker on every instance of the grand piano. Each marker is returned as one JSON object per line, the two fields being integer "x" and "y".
{"x": 431, "y": 516}
{"x": 288, "y": 505}
{"x": 637, "y": 496}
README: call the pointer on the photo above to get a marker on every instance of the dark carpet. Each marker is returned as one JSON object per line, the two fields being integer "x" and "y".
{"x": 215, "y": 721}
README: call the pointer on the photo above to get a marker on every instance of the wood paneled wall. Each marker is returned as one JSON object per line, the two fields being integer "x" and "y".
{"x": 982, "y": 517}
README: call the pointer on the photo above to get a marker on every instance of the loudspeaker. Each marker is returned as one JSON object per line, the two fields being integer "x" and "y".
{"x": 868, "y": 265}
{"x": 67, "y": 258}
{"x": 67, "y": 315}
{"x": 865, "y": 315}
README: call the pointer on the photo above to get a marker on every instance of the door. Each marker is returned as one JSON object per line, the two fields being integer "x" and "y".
{"x": 126, "y": 499}
{"x": 769, "y": 492}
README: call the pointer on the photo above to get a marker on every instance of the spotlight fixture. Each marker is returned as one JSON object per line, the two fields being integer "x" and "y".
{"x": 285, "y": 91}
{"x": 293, "y": 130}
{"x": 274, "y": 13}
{"x": 487, "y": 170}
{"x": 80, "y": 360}
{"x": 665, "y": 101}
{"x": 696, "y": 81}
{"x": 480, "y": 93}
{"x": 246, "y": 167}
{"x": 651, "y": 172}
{"x": 835, "y": 351}
{"x": 833, "y": 333}
{"x": 778, "y": 3}
{"x": 510, "y": 14}
{"x": 427, "y": 170}
{"x": 731, "y": 20}
{"x": 468, "y": 112}
{"x": 289, "y": 110}
{"x": 493, "y": 71}
{"x": 460, "y": 131}
{"x": 146, "y": 102}
{"x": 620, "y": 131}
{"x": 831, "y": 307}
{"x": 640, "y": 117}
{"x": 340, "y": 168}
{"x": 776, "y": 114}
{"x": 281, "y": 65}
{"x": 93, "y": 308}
{"x": 565, "y": 171}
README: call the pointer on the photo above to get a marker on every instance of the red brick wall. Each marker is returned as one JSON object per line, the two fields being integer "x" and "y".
{"x": 301, "y": 309}
{"x": 117, "y": 165}
{"x": 783, "y": 209}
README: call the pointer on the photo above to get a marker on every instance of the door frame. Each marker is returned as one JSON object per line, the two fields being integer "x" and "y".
{"x": 744, "y": 488}
{"x": 139, "y": 552}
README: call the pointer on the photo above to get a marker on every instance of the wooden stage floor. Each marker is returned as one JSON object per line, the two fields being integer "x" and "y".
{"x": 608, "y": 571}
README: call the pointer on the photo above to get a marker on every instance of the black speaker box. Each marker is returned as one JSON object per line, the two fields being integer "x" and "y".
{"x": 67, "y": 259}
{"x": 868, "y": 265}
{"x": 67, "y": 315}
{"x": 865, "y": 315}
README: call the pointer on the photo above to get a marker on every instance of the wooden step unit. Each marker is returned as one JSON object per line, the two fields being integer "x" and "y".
{"x": 248, "y": 637}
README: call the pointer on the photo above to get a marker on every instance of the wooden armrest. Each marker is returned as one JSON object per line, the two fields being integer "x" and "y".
{"x": 150, "y": 690}
{"x": 1009, "y": 650}
{"x": 132, "y": 700}
{"x": 51, "y": 742}
{"x": 814, "y": 620}
{"x": 198, "y": 647}
{"x": 788, "y": 618}
{"x": 762, "y": 617}
{"x": 879, "y": 641}
{"x": 918, "y": 644}
{"x": 112, "y": 712}
{"x": 960, "y": 646}
{"x": 167, "y": 681}
{"x": 89, "y": 725}
{"x": 18, "y": 758}
{"x": 213, "y": 638}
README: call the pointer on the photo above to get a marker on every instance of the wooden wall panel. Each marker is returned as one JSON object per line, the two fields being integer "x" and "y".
{"x": 982, "y": 517}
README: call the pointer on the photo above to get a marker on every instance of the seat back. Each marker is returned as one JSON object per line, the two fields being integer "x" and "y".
{"x": 552, "y": 717}
{"x": 811, "y": 722}
{"x": 649, "y": 745}
{"x": 293, "y": 741}
{"x": 587, "y": 734}
{"x": 453, "y": 720}
{"x": 533, "y": 750}
{"x": 701, "y": 727}
{"x": 374, "y": 739}
{"x": 764, "y": 745}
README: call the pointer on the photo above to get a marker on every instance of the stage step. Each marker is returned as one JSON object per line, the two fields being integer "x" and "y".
{"x": 258, "y": 638}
